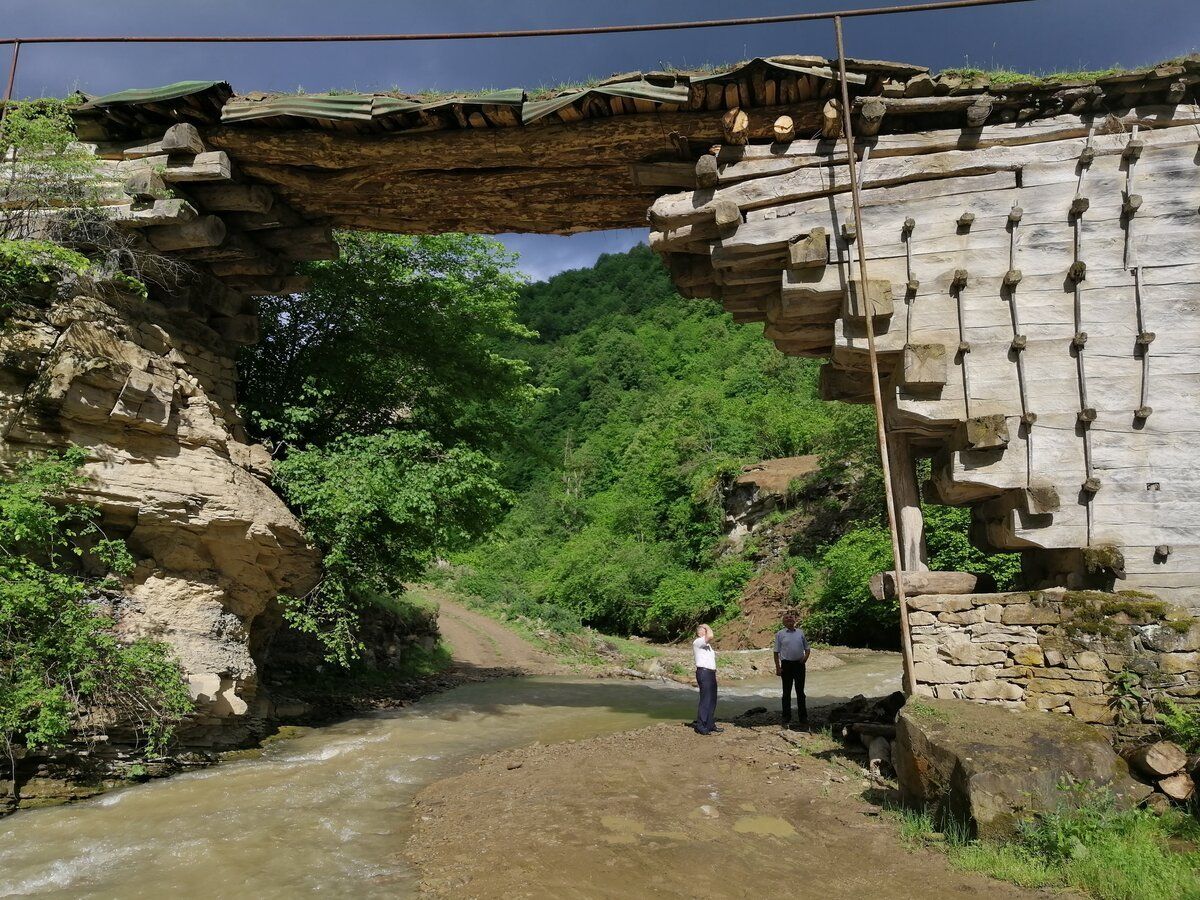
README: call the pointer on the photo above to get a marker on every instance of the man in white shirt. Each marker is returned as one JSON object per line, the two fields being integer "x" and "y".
{"x": 791, "y": 653}
{"x": 706, "y": 680}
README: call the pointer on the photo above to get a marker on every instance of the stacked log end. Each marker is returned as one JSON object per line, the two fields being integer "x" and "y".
{"x": 1166, "y": 766}
{"x": 189, "y": 202}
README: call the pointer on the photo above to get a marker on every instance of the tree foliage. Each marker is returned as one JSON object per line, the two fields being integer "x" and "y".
{"x": 384, "y": 388}
{"x": 398, "y": 333}
{"x": 61, "y": 664}
{"x": 381, "y": 506}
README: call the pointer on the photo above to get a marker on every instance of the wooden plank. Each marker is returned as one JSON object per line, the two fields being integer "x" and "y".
{"x": 679, "y": 209}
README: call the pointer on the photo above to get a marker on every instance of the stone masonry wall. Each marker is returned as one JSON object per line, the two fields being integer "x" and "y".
{"x": 1101, "y": 657}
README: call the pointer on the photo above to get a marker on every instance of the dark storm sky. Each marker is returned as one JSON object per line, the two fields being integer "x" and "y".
{"x": 1042, "y": 35}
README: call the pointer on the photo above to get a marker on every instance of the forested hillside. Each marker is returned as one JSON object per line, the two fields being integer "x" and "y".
{"x": 653, "y": 404}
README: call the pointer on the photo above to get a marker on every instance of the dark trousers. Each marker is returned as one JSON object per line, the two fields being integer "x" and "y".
{"x": 792, "y": 672}
{"x": 706, "y": 680}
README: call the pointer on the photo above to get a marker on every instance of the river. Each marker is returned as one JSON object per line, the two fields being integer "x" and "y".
{"x": 330, "y": 811}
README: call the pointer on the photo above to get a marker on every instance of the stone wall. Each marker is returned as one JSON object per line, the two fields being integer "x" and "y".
{"x": 1101, "y": 657}
{"x": 149, "y": 391}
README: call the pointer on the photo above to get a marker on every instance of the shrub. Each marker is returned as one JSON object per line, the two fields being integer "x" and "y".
{"x": 841, "y": 608}
{"x": 381, "y": 508}
{"x": 60, "y": 660}
{"x": 1180, "y": 723}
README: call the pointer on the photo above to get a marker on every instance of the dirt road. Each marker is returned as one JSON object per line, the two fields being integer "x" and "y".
{"x": 479, "y": 643}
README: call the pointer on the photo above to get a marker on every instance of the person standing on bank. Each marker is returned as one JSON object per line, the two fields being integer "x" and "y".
{"x": 791, "y": 653}
{"x": 706, "y": 680}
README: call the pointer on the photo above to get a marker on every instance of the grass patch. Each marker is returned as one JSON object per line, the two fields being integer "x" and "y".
{"x": 1088, "y": 845}
{"x": 921, "y": 710}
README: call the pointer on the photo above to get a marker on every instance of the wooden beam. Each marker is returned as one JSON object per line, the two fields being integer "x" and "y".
{"x": 205, "y": 231}
{"x": 255, "y": 198}
{"x": 213, "y": 166}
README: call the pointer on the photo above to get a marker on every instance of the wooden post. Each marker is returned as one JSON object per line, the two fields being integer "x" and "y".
{"x": 908, "y": 505}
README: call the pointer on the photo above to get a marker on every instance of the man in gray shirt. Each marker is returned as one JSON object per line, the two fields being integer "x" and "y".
{"x": 791, "y": 653}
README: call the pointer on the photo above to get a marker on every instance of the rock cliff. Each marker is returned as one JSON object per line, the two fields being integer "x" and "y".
{"x": 149, "y": 392}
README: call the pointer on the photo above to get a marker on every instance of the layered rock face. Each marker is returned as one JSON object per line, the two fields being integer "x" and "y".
{"x": 149, "y": 392}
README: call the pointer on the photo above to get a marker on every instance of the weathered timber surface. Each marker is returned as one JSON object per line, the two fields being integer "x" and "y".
{"x": 1036, "y": 339}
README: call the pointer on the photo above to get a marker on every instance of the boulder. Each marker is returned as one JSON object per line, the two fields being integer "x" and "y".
{"x": 990, "y": 767}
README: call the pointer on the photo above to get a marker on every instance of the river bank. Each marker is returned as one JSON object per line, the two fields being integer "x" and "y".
{"x": 663, "y": 812}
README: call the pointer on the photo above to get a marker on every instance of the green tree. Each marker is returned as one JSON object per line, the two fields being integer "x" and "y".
{"x": 398, "y": 333}
{"x": 384, "y": 389}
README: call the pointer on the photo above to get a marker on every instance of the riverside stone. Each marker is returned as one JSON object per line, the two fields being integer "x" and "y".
{"x": 992, "y": 767}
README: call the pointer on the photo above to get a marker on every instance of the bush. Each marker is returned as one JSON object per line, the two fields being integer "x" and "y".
{"x": 1180, "y": 723}
{"x": 840, "y": 606}
{"x": 381, "y": 508}
{"x": 61, "y": 664}
{"x": 947, "y": 537}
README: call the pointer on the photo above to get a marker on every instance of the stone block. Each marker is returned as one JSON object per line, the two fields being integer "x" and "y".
{"x": 1089, "y": 661}
{"x": 1030, "y": 614}
{"x": 1028, "y": 655}
{"x": 939, "y": 603}
{"x": 1179, "y": 663}
{"x": 1072, "y": 687}
{"x": 1046, "y": 702}
{"x": 966, "y": 617}
{"x": 993, "y": 690}
{"x": 1054, "y": 658}
{"x": 922, "y": 618}
{"x": 939, "y": 672}
{"x": 1016, "y": 672}
{"x": 924, "y": 651}
{"x": 1168, "y": 640}
{"x": 1095, "y": 711}
{"x": 967, "y": 654}
{"x": 992, "y": 612}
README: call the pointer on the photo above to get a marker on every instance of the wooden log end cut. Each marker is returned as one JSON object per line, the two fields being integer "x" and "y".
{"x": 784, "y": 130}
{"x": 924, "y": 365}
{"x": 987, "y": 432}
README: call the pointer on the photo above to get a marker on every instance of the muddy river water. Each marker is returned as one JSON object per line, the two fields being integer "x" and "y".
{"x": 330, "y": 811}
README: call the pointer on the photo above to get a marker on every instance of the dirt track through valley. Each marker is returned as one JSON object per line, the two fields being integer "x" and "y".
{"x": 477, "y": 642}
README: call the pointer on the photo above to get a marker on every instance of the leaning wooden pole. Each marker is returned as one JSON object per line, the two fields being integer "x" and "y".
{"x": 880, "y": 422}
{"x": 8, "y": 91}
